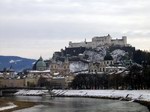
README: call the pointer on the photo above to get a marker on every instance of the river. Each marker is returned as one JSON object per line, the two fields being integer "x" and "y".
{"x": 69, "y": 104}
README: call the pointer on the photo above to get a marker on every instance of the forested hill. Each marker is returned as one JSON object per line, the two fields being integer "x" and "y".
{"x": 15, "y": 62}
{"x": 138, "y": 56}
{"x": 119, "y": 53}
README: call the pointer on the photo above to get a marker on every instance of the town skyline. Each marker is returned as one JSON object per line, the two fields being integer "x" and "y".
{"x": 34, "y": 28}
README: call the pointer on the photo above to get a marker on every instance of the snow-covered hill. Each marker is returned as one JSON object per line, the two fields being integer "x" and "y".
{"x": 93, "y": 55}
{"x": 97, "y": 54}
{"x": 118, "y": 54}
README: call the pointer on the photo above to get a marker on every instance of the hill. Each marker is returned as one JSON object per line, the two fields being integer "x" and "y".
{"x": 119, "y": 54}
{"x": 15, "y": 62}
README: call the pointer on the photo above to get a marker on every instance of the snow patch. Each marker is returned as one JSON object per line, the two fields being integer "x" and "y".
{"x": 14, "y": 61}
{"x": 94, "y": 55}
{"x": 78, "y": 66}
{"x": 11, "y": 105}
{"x": 117, "y": 54}
{"x": 31, "y": 92}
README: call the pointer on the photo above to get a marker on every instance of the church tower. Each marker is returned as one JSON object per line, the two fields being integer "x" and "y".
{"x": 124, "y": 38}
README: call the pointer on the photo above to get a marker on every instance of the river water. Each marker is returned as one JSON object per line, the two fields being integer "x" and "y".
{"x": 60, "y": 104}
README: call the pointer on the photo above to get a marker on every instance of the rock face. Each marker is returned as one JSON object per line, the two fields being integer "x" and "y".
{"x": 15, "y": 62}
{"x": 80, "y": 57}
{"x": 78, "y": 66}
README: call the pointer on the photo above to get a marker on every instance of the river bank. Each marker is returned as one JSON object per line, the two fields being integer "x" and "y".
{"x": 139, "y": 96}
{"x": 15, "y": 105}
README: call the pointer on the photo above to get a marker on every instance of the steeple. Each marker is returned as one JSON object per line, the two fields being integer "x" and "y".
{"x": 85, "y": 41}
{"x": 41, "y": 59}
{"x": 108, "y": 35}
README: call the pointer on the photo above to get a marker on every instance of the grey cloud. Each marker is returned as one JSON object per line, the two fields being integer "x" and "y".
{"x": 74, "y": 20}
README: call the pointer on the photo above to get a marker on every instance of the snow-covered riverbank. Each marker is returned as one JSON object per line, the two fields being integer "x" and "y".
{"x": 31, "y": 92}
{"x": 138, "y": 95}
{"x": 10, "y": 106}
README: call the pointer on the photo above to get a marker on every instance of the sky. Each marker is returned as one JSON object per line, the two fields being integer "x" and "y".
{"x": 34, "y": 28}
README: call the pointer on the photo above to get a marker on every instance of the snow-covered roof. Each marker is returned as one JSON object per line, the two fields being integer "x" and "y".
{"x": 119, "y": 67}
{"x": 56, "y": 73}
{"x": 36, "y": 71}
{"x": 58, "y": 77}
{"x": 1, "y": 73}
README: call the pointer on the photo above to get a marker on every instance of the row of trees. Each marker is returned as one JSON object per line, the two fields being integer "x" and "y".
{"x": 137, "y": 78}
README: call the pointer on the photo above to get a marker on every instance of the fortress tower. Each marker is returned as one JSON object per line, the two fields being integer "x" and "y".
{"x": 124, "y": 38}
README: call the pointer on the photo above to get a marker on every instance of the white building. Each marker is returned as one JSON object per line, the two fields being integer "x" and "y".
{"x": 99, "y": 41}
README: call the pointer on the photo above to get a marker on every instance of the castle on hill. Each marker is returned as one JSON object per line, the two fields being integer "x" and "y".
{"x": 100, "y": 41}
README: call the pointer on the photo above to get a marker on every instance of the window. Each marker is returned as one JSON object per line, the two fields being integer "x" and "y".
{"x": 100, "y": 69}
{"x": 103, "y": 69}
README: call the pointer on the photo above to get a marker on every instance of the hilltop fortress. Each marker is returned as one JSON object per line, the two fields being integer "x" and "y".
{"x": 100, "y": 41}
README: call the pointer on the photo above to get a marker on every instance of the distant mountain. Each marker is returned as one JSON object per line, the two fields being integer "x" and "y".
{"x": 16, "y": 63}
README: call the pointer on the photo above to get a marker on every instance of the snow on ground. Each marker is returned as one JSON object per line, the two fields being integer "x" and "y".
{"x": 78, "y": 66}
{"x": 10, "y": 106}
{"x": 140, "y": 95}
{"x": 31, "y": 92}
{"x": 95, "y": 55}
{"x": 117, "y": 54}
{"x": 37, "y": 71}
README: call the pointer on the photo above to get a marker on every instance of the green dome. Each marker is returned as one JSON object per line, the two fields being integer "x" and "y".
{"x": 40, "y": 65}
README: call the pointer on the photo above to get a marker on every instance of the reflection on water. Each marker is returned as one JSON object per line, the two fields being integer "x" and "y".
{"x": 80, "y": 105}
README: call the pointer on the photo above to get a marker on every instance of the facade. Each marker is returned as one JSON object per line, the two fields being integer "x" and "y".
{"x": 60, "y": 67}
{"x": 7, "y": 74}
{"x": 100, "y": 67}
{"x": 31, "y": 82}
{"x": 58, "y": 82}
{"x": 99, "y": 41}
{"x": 26, "y": 82}
{"x": 12, "y": 82}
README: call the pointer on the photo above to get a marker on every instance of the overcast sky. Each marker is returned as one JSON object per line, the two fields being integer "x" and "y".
{"x": 30, "y": 28}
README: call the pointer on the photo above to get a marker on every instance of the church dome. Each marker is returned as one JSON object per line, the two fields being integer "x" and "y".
{"x": 40, "y": 64}
{"x": 108, "y": 57}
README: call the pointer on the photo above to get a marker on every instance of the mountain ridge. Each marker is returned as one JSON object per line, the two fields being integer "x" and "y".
{"x": 15, "y": 62}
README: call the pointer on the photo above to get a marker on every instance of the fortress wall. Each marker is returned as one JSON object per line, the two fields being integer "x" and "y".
{"x": 98, "y": 41}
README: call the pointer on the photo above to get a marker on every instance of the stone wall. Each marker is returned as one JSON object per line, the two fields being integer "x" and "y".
{"x": 98, "y": 41}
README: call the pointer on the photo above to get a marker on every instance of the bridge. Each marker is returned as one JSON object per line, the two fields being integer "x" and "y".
{"x": 4, "y": 91}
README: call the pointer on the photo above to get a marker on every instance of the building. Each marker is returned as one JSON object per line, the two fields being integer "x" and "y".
{"x": 8, "y": 73}
{"x": 12, "y": 82}
{"x": 40, "y": 65}
{"x": 101, "y": 67}
{"x": 39, "y": 69}
{"x": 60, "y": 67}
{"x": 99, "y": 41}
